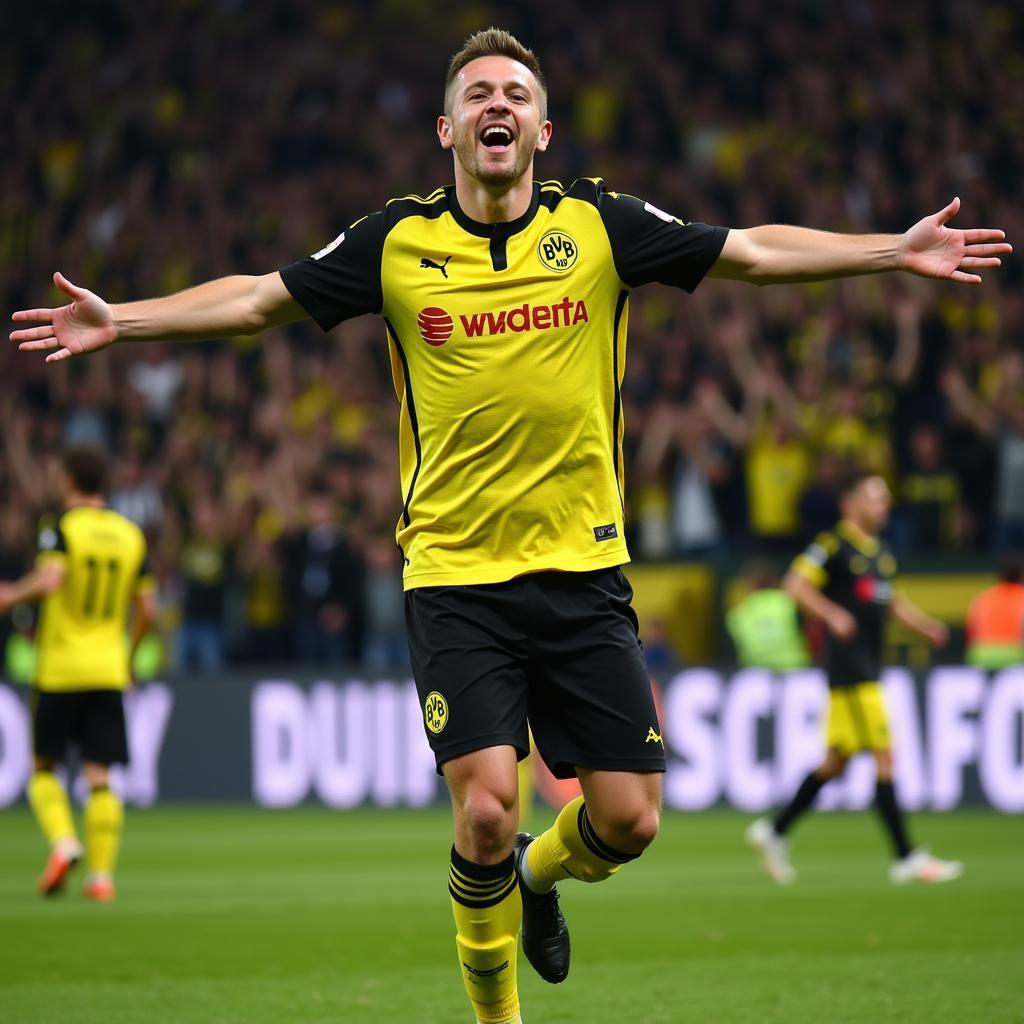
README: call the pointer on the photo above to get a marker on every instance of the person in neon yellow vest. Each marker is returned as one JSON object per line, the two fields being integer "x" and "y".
{"x": 765, "y": 626}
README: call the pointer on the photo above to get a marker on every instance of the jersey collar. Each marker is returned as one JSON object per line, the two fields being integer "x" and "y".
{"x": 863, "y": 542}
{"x": 503, "y": 228}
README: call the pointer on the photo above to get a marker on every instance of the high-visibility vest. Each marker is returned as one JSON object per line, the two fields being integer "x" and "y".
{"x": 766, "y": 631}
{"x": 995, "y": 627}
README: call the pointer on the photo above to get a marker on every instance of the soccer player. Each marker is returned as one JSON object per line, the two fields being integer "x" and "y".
{"x": 845, "y": 580}
{"x": 91, "y": 578}
{"x": 505, "y": 306}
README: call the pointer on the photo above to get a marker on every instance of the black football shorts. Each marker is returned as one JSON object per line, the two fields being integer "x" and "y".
{"x": 92, "y": 720}
{"x": 555, "y": 652}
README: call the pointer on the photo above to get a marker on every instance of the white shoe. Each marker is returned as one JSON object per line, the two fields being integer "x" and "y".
{"x": 921, "y": 866}
{"x": 774, "y": 851}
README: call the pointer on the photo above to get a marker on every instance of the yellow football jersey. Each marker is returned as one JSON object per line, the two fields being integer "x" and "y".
{"x": 508, "y": 345}
{"x": 83, "y": 623}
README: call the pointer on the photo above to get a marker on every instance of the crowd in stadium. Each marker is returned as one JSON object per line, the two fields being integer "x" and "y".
{"x": 264, "y": 470}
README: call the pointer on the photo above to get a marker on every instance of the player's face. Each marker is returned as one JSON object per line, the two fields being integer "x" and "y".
{"x": 494, "y": 125}
{"x": 872, "y": 503}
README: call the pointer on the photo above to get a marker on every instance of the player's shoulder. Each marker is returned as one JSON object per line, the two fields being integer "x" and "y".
{"x": 429, "y": 206}
{"x": 588, "y": 190}
{"x": 111, "y": 520}
{"x": 50, "y": 532}
{"x": 828, "y": 542}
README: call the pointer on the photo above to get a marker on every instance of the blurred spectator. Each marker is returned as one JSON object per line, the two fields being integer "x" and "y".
{"x": 661, "y": 657}
{"x": 265, "y": 613}
{"x": 995, "y": 620}
{"x": 819, "y": 503}
{"x": 135, "y": 494}
{"x": 1001, "y": 420}
{"x": 324, "y": 587}
{"x": 157, "y": 377}
{"x": 764, "y": 626}
{"x": 203, "y": 565}
{"x": 927, "y": 515}
{"x": 385, "y": 649}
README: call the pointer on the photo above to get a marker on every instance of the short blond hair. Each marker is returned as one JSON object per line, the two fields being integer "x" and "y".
{"x": 495, "y": 42}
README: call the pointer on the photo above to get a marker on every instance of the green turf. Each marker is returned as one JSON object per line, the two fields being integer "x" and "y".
{"x": 229, "y": 915}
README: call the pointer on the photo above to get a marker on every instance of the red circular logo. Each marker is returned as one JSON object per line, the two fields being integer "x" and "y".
{"x": 435, "y": 325}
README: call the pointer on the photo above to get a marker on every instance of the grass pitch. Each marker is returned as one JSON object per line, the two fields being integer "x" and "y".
{"x": 232, "y": 916}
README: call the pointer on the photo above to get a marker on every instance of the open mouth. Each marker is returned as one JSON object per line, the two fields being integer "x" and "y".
{"x": 496, "y": 137}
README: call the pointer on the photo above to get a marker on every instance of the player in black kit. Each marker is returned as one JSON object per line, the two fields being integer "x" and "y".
{"x": 845, "y": 580}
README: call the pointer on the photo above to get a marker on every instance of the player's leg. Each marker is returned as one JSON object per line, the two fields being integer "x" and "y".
{"x": 833, "y": 765}
{"x": 909, "y": 863}
{"x": 768, "y": 836}
{"x": 104, "y": 742}
{"x": 612, "y": 823}
{"x": 52, "y": 726}
{"x": 470, "y": 676}
{"x": 104, "y": 823}
{"x": 482, "y": 880}
{"x": 593, "y": 715}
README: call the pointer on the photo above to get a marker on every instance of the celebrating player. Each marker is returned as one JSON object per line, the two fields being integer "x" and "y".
{"x": 91, "y": 576}
{"x": 505, "y": 304}
{"x": 845, "y": 580}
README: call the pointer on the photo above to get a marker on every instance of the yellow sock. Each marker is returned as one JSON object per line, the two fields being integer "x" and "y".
{"x": 571, "y": 849}
{"x": 51, "y": 807}
{"x": 104, "y": 817}
{"x": 488, "y": 912}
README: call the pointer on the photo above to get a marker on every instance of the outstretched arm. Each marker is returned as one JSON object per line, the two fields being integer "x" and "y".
{"x": 35, "y": 584}
{"x": 815, "y": 605}
{"x": 229, "y": 305}
{"x": 779, "y": 253}
{"x": 934, "y": 631}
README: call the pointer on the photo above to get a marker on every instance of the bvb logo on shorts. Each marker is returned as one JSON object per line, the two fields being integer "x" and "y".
{"x": 435, "y": 712}
{"x": 557, "y": 251}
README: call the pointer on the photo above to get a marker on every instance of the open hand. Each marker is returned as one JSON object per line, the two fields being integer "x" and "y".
{"x": 86, "y": 324}
{"x": 930, "y": 249}
{"x": 842, "y": 625}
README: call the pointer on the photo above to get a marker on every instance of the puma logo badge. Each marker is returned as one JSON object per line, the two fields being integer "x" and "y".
{"x": 485, "y": 974}
{"x": 652, "y": 736}
{"x": 425, "y": 264}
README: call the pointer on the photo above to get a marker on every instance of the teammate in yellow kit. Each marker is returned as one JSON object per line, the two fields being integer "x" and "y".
{"x": 90, "y": 576}
{"x": 505, "y": 302}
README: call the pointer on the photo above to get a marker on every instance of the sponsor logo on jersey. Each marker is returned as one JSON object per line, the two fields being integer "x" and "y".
{"x": 436, "y": 324}
{"x": 605, "y": 532}
{"x": 329, "y": 247}
{"x": 435, "y": 712}
{"x": 871, "y": 590}
{"x": 558, "y": 251}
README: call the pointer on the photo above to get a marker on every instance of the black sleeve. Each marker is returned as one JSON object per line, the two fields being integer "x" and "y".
{"x": 51, "y": 537}
{"x": 650, "y": 245}
{"x": 342, "y": 280}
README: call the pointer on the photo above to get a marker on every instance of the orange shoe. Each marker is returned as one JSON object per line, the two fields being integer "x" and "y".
{"x": 100, "y": 890}
{"x": 63, "y": 857}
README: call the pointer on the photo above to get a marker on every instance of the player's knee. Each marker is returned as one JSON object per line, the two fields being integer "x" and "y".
{"x": 833, "y": 765}
{"x": 96, "y": 775}
{"x": 630, "y": 830}
{"x": 489, "y": 822}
